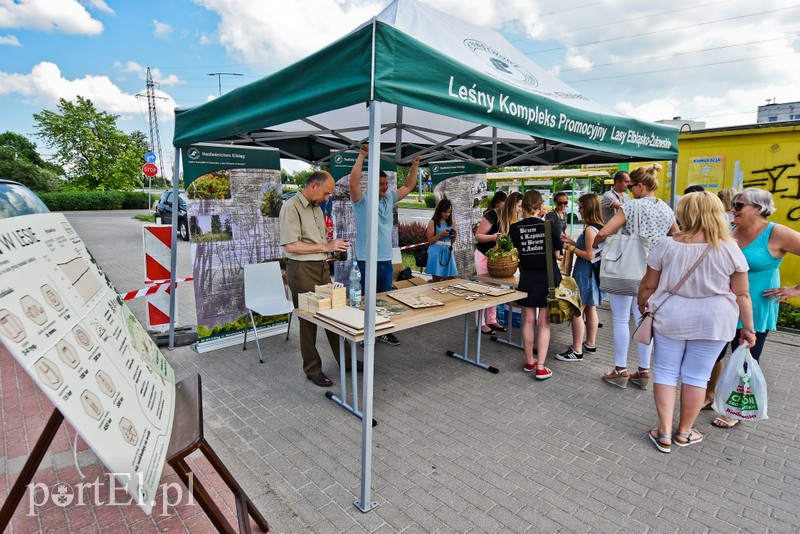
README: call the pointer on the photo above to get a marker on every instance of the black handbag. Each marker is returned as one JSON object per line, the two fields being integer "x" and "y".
{"x": 421, "y": 257}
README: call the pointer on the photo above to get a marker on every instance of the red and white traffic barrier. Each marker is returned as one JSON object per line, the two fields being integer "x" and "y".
{"x": 159, "y": 286}
{"x": 157, "y": 240}
{"x": 415, "y": 246}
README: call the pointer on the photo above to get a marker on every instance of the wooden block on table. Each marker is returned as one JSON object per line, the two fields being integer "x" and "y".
{"x": 337, "y": 295}
{"x": 318, "y": 302}
{"x": 302, "y": 301}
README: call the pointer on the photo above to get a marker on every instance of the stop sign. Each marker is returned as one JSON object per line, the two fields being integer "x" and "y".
{"x": 149, "y": 169}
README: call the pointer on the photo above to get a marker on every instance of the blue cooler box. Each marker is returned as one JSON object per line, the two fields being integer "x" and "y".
{"x": 516, "y": 316}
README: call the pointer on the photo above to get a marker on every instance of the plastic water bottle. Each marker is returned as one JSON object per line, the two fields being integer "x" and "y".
{"x": 355, "y": 286}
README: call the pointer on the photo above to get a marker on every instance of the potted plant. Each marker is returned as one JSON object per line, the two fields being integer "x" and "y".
{"x": 503, "y": 258}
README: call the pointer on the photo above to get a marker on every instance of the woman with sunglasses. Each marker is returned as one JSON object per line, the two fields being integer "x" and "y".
{"x": 558, "y": 216}
{"x": 656, "y": 220}
{"x": 764, "y": 245}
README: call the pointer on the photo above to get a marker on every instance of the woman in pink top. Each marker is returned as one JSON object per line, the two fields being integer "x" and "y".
{"x": 692, "y": 325}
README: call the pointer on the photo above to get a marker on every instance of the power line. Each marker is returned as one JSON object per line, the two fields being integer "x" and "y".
{"x": 653, "y": 32}
{"x": 219, "y": 76}
{"x": 668, "y": 56}
{"x": 684, "y": 67}
{"x": 624, "y": 21}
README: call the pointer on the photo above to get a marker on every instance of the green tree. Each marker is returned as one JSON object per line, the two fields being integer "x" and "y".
{"x": 216, "y": 224}
{"x": 24, "y": 149}
{"x": 301, "y": 177}
{"x": 25, "y": 172}
{"x": 90, "y": 147}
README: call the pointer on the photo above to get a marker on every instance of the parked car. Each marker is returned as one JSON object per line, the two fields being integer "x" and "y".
{"x": 164, "y": 212}
{"x": 16, "y": 199}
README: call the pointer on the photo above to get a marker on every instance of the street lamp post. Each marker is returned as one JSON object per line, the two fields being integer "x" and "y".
{"x": 219, "y": 76}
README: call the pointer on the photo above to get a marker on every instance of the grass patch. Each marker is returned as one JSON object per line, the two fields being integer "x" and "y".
{"x": 211, "y": 237}
{"x": 408, "y": 259}
{"x": 145, "y": 218}
{"x": 414, "y": 205}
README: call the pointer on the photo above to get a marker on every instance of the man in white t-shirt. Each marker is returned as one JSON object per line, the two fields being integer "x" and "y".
{"x": 614, "y": 198}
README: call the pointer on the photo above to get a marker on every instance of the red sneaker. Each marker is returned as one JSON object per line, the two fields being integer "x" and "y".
{"x": 543, "y": 374}
{"x": 529, "y": 368}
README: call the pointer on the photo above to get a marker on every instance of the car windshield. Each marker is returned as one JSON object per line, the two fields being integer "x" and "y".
{"x": 16, "y": 199}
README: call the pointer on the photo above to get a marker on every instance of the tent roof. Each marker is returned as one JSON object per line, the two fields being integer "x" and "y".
{"x": 449, "y": 90}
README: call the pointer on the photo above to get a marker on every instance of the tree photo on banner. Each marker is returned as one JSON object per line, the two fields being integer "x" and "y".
{"x": 464, "y": 185}
{"x": 233, "y": 203}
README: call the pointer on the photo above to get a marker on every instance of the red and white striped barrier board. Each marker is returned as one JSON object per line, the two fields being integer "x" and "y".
{"x": 414, "y": 246}
{"x": 157, "y": 240}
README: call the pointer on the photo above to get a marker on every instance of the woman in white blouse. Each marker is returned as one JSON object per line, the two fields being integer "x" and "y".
{"x": 655, "y": 221}
{"x": 691, "y": 327}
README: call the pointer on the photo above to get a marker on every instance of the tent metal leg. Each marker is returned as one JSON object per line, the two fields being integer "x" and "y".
{"x": 365, "y": 502}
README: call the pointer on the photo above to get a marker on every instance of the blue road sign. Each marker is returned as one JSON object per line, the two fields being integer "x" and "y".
{"x": 150, "y": 157}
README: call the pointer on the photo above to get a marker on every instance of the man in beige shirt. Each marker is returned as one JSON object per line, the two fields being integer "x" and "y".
{"x": 305, "y": 241}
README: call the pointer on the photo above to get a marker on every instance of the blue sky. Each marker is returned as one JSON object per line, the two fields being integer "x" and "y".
{"x": 713, "y": 61}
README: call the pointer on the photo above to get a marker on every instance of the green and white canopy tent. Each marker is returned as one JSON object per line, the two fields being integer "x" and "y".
{"x": 414, "y": 81}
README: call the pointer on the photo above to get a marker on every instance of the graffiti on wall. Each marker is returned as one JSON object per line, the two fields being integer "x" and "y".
{"x": 783, "y": 181}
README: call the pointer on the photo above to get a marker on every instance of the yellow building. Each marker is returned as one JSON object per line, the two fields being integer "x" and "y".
{"x": 766, "y": 156}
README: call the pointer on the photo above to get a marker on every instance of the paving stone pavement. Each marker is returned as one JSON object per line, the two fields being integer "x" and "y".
{"x": 457, "y": 449}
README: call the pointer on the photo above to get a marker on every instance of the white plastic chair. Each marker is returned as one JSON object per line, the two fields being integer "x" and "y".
{"x": 264, "y": 294}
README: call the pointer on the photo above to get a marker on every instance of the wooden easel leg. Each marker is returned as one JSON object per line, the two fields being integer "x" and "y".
{"x": 244, "y": 506}
{"x": 202, "y": 496}
{"x": 30, "y": 467}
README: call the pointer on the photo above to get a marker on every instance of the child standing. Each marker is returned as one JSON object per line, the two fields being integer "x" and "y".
{"x": 441, "y": 235}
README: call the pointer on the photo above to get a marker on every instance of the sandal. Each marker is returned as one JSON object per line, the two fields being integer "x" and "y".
{"x": 489, "y": 332}
{"x": 498, "y": 327}
{"x": 657, "y": 440}
{"x": 708, "y": 405}
{"x": 719, "y": 422}
{"x": 641, "y": 378}
{"x": 687, "y": 437}
{"x": 617, "y": 377}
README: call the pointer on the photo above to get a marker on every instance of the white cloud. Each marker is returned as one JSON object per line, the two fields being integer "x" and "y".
{"x": 653, "y": 60}
{"x": 67, "y": 16}
{"x": 715, "y": 61}
{"x": 99, "y": 5}
{"x": 45, "y": 85}
{"x": 253, "y": 34}
{"x": 162, "y": 30}
{"x": 158, "y": 77}
{"x": 10, "y": 40}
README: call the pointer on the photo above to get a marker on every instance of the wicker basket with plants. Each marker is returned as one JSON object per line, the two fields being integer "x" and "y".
{"x": 503, "y": 258}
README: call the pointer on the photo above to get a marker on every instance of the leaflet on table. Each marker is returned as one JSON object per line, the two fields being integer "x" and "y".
{"x": 65, "y": 324}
